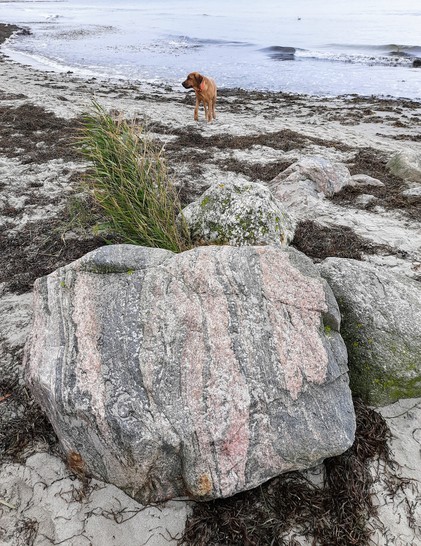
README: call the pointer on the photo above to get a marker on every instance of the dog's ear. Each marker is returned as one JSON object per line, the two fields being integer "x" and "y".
{"x": 199, "y": 79}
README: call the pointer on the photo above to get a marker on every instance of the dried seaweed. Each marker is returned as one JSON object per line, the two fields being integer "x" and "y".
{"x": 23, "y": 423}
{"x": 320, "y": 242}
{"x": 335, "y": 513}
{"x": 35, "y": 135}
{"x": 391, "y": 196}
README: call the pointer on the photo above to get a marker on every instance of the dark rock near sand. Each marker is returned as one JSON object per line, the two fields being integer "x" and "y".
{"x": 416, "y": 63}
{"x": 203, "y": 374}
{"x": 7, "y": 30}
{"x": 381, "y": 325}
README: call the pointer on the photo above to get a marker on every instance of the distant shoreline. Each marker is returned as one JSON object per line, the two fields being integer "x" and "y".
{"x": 303, "y": 68}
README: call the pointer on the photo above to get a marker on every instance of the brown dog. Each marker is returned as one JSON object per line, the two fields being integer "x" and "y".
{"x": 205, "y": 89}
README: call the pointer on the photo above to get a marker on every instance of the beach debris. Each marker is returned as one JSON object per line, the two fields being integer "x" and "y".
{"x": 4, "y": 503}
{"x": 319, "y": 242}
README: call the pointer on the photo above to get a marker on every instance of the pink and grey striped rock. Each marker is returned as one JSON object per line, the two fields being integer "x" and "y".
{"x": 199, "y": 374}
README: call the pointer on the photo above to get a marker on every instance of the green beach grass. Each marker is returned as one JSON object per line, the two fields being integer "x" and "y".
{"x": 129, "y": 181}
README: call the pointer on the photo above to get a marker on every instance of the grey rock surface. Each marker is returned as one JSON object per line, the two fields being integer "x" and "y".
{"x": 313, "y": 176}
{"x": 200, "y": 374}
{"x": 406, "y": 164}
{"x": 238, "y": 213}
{"x": 381, "y": 325}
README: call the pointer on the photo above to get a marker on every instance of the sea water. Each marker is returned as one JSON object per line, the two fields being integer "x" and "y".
{"x": 328, "y": 47}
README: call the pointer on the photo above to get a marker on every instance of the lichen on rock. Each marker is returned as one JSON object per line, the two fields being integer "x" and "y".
{"x": 238, "y": 213}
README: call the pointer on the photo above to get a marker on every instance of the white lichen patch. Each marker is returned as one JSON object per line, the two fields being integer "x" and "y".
{"x": 239, "y": 213}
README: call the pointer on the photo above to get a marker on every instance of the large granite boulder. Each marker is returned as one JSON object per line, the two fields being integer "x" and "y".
{"x": 198, "y": 374}
{"x": 238, "y": 213}
{"x": 381, "y": 325}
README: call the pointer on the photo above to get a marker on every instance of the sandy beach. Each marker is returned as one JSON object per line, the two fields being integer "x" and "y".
{"x": 46, "y": 219}
{"x": 256, "y": 136}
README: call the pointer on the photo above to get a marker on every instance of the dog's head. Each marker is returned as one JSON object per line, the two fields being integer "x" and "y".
{"x": 194, "y": 79}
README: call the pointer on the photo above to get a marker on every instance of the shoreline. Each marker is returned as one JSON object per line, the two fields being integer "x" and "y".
{"x": 8, "y": 30}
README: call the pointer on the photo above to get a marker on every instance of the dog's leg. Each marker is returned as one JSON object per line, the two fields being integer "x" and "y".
{"x": 213, "y": 108}
{"x": 206, "y": 107}
{"x": 196, "y": 110}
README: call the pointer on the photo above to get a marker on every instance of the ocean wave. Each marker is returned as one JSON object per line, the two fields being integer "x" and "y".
{"x": 280, "y": 53}
{"x": 171, "y": 45}
{"x": 357, "y": 58}
{"x": 397, "y": 50}
{"x": 178, "y": 44}
{"x": 383, "y": 55}
{"x": 235, "y": 43}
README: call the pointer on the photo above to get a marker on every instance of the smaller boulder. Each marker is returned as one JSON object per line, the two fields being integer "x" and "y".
{"x": 302, "y": 186}
{"x": 315, "y": 174}
{"x": 416, "y": 63}
{"x": 365, "y": 180}
{"x": 238, "y": 213}
{"x": 412, "y": 192}
{"x": 406, "y": 165}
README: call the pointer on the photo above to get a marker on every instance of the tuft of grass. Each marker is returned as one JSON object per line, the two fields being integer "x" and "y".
{"x": 129, "y": 181}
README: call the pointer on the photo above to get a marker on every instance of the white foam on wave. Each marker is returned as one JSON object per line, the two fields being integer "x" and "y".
{"x": 51, "y": 17}
{"x": 355, "y": 58}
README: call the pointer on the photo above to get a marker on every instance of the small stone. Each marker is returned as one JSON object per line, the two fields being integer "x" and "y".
{"x": 406, "y": 165}
{"x": 365, "y": 180}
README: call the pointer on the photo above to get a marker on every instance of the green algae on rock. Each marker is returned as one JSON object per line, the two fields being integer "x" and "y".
{"x": 381, "y": 326}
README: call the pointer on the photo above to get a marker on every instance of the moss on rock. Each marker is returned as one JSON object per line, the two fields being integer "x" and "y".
{"x": 238, "y": 214}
